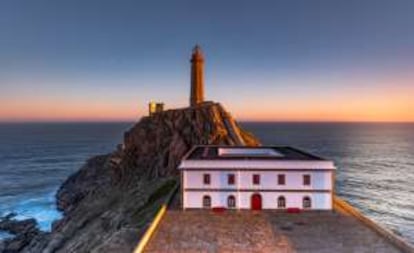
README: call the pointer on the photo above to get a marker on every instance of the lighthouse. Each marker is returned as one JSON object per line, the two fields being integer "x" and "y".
{"x": 197, "y": 77}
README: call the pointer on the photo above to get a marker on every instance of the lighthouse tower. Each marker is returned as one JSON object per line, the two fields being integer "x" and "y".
{"x": 197, "y": 77}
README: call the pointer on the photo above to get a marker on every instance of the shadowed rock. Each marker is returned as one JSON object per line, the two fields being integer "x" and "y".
{"x": 24, "y": 232}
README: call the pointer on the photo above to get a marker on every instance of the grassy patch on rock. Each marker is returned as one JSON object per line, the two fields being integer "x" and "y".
{"x": 162, "y": 191}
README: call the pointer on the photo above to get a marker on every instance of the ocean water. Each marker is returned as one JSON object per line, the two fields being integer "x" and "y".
{"x": 375, "y": 164}
{"x": 36, "y": 158}
{"x": 375, "y": 161}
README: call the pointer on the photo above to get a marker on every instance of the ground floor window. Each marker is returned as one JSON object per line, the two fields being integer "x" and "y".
{"x": 307, "y": 202}
{"x": 281, "y": 202}
{"x": 206, "y": 201}
{"x": 231, "y": 202}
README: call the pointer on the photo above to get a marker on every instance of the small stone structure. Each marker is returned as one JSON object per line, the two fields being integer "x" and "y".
{"x": 155, "y": 107}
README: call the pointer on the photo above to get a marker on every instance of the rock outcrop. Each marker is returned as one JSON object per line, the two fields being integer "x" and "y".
{"x": 109, "y": 202}
{"x": 158, "y": 142}
{"x": 92, "y": 178}
{"x": 24, "y": 232}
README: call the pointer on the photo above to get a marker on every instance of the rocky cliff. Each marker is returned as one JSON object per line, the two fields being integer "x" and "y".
{"x": 159, "y": 142}
{"x": 108, "y": 203}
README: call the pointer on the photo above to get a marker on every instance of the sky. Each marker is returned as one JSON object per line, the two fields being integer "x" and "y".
{"x": 275, "y": 60}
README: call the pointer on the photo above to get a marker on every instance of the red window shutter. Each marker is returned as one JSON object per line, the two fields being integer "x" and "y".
{"x": 256, "y": 179}
{"x": 231, "y": 179}
{"x": 206, "y": 178}
{"x": 281, "y": 179}
{"x": 306, "y": 179}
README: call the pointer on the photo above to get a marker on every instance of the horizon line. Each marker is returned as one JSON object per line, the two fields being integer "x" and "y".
{"x": 242, "y": 121}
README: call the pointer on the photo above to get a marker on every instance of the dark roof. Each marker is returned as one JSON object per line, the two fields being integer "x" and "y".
{"x": 209, "y": 152}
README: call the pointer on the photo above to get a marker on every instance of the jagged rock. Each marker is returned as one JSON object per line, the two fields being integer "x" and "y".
{"x": 17, "y": 226}
{"x": 112, "y": 197}
{"x": 94, "y": 175}
{"x": 25, "y": 232}
{"x": 37, "y": 243}
{"x": 158, "y": 142}
{"x": 122, "y": 241}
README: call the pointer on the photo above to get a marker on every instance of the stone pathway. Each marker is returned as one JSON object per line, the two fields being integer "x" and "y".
{"x": 205, "y": 231}
{"x": 326, "y": 232}
{"x": 265, "y": 231}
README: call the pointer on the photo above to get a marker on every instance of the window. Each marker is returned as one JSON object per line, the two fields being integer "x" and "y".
{"x": 206, "y": 178}
{"x": 256, "y": 179}
{"x": 307, "y": 203}
{"x": 281, "y": 202}
{"x": 231, "y": 202}
{"x": 281, "y": 179}
{"x": 231, "y": 179}
{"x": 306, "y": 179}
{"x": 206, "y": 201}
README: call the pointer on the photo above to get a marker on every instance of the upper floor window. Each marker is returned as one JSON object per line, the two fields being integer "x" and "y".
{"x": 306, "y": 179}
{"x": 231, "y": 179}
{"x": 206, "y": 178}
{"x": 206, "y": 201}
{"x": 256, "y": 179}
{"x": 281, "y": 179}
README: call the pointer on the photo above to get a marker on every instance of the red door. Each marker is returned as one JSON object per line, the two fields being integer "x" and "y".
{"x": 256, "y": 202}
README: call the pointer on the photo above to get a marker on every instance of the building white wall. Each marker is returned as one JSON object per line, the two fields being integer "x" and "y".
{"x": 320, "y": 180}
{"x": 294, "y": 191}
{"x": 320, "y": 201}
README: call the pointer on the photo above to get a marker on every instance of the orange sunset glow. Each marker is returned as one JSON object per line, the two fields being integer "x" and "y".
{"x": 386, "y": 106}
{"x": 361, "y": 100}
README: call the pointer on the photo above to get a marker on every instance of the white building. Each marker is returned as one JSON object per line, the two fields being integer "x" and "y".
{"x": 255, "y": 178}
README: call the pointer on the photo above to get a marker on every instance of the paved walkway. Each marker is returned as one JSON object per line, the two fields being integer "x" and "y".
{"x": 328, "y": 232}
{"x": 265, "y": 231}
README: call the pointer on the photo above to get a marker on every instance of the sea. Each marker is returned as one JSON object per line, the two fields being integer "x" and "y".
{"x": 375, "y": 163}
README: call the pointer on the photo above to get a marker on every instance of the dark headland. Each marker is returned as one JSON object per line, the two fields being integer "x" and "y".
{"x": 108, "y": 203}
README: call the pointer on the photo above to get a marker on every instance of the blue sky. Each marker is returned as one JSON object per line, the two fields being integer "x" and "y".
{"x": 111, "y": 57}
